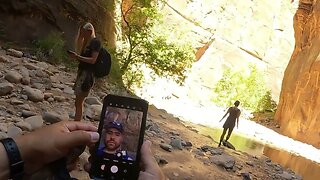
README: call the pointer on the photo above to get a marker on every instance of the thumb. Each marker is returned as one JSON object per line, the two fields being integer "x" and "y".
{"x": 148, "y": 161}
{"x": 80, "y": 137}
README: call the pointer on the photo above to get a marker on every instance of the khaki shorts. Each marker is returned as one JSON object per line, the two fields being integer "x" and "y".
{"x": 80, "y": 80}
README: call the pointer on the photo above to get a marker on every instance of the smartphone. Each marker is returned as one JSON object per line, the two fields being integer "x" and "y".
{"x": 121, "y": 128}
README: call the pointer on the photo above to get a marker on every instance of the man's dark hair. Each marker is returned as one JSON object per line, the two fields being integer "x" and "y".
{"x": 237, "y": 103}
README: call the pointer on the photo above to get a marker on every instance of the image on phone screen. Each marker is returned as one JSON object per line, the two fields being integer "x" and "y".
{"x": 116, "y": 155}
{"x": 120, "y": 133}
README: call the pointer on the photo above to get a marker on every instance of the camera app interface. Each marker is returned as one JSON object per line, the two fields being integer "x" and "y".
{"x": 118, "y": 145}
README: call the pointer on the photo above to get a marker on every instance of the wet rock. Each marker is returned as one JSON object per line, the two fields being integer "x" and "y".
{"x": 24, "y": 125}
{"x": 13, "y": 77}
{"x": 35, "y": 121}
{"x": 34, "y": 95}
{"x": 246, "y": 176}
{"x": 228, "y": 145}
{"x": 206, "y": 148}
{"x": 5, "y": 88}
{"x": 176, "y": 143}
{"x": 223, "y": 160}
{"x": 15, "y": 53}
{"x": 14, "y": 131}
{"x": 166, "y": 147}
{"x": 198, "y": 152}
{"x": 186, "y": 143}
{"x": 216, "y": 151}
{"x": 161, "y": 161}
{"x": 53, "y": 117}
{"x": 92, "y": 101}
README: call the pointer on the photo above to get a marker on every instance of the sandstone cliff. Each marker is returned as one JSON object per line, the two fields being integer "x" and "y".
{"x": 298, "y": 112}
{"x": 25, "y": 21}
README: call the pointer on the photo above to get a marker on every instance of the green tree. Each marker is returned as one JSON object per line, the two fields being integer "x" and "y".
{"x": 249, "y": 89}
{"x": 145, "y": 43}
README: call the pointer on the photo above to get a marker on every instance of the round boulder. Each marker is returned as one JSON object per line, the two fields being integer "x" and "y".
{"x": 5, "y": 88}
{"x": 13, "y": 77}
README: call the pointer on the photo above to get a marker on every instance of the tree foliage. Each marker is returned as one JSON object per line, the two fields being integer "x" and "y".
{"x": 249, "y": 89}
{"x": 146, "y": 43}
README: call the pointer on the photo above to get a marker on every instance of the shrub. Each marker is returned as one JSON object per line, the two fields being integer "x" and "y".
{"x": 51, "y": 48}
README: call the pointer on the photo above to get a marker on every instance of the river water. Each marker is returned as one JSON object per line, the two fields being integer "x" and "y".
{"x": 250, "y": 137}
{"x": 308, "y": 169}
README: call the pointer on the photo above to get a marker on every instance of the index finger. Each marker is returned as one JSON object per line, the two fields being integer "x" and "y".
{"x": 74, "y": 126}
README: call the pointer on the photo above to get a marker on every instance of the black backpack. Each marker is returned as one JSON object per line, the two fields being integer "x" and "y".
{"x": 103, "y": 64}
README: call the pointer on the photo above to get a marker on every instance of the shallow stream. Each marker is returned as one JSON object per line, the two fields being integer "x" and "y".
{"x": 308, "y": 169}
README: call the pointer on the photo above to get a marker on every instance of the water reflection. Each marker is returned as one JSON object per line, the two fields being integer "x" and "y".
{"x": 304, "y": 167}
{"x": 308, "y": 169}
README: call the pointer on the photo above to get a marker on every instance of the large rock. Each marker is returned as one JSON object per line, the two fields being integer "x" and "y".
{"x": 24, "y": 125}
{"x": 297, "y": 112}
{"x": 35, "y": 122}
{"x": 25, "y": 76}
{"x": 53, "y": 117}
{"x": 15, "y": 53}
{"x": 93, "y": 112}
{"x": 14, "y": 131}
{"x": 27, "y": 113}
{"x": 92, "y": 101}
{"x": 34, "y": 95}
{"x": 13, "y": 77}
{"x": 223, "y": 160}
{"x": 5, "y": 88}
{"x": 65, "y": 16}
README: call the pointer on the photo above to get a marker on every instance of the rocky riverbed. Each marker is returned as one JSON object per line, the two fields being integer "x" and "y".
{"x": 35, "y": 94}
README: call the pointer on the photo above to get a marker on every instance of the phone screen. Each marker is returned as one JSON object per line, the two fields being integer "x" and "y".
{"x": 117, "y": 153}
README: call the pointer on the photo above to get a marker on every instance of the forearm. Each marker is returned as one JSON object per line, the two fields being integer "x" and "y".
{"x": 27, "y": 152}
{"x": 4, "y": 163}
{"x": 89, "y": 60}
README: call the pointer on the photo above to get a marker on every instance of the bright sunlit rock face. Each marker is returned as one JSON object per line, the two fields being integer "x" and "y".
{"x": 234, "y": 33}
{"x": 298, "y": 110}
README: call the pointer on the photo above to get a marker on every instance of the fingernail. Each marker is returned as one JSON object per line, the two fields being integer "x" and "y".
{"x": 94, "y": 136}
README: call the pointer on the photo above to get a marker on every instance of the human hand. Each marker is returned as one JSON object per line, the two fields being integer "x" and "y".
{"x": 150, "y": 169}
{"x": 149, "y": 166}
{"x": 53, "y": 142}
{"x": 72, "y": 54}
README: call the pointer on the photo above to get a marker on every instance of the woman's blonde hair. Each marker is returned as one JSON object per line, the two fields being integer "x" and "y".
{"x": 81, "y": 41}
